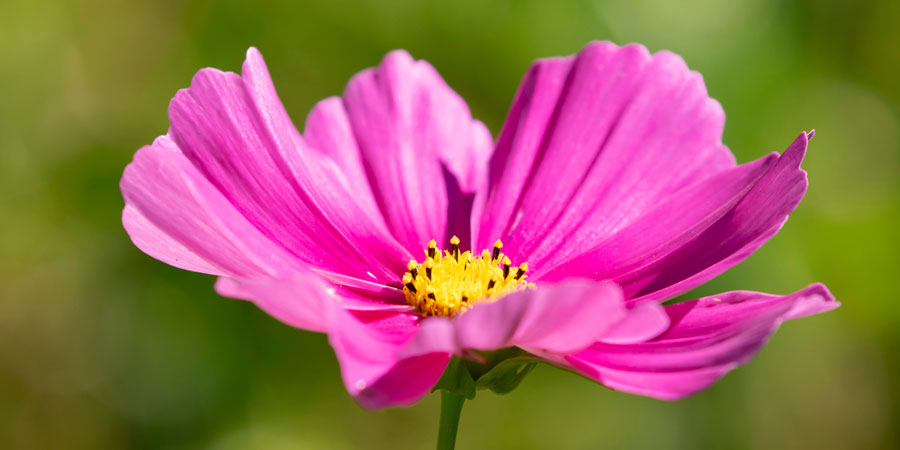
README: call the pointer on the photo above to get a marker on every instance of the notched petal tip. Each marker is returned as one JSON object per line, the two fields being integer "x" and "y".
{"x": 608, "y": 46}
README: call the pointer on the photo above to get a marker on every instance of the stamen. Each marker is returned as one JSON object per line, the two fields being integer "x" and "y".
{"x": 522, "y": 269}
{"x": 432, "y": 247}
{"x": 408, "y": 282}
{"x": 454, "y": 247}
{"x": 454, "y": 281}
{"x": 497, "y": 246}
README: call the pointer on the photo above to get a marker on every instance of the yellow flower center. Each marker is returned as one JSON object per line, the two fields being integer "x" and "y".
{"x": 449, "y": 282}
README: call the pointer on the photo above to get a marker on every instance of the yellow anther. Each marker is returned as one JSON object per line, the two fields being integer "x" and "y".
{"x": 496, "y": 255}
{"x": 429, "y": 265}
{"x": 521, "y": 272}
{"x": 454, "y": 247}
{"x": 455, "y": 281}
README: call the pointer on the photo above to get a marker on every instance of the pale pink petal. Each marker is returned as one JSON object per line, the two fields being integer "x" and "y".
{"x": 412, "y": 131}
{"x": 302, "y": 301}
{"x": 235, "y": 130}
{"x": 708, "y": 338}
{"x": 643, "y": 322}
{"x": 591, "y": 143}
{"x": 698, "y": 233}
{"x": 561, "y": 319}
{"x": 368, "y": 347}
{"x": 156, "y": 243}
{"x": 176, "y": 215}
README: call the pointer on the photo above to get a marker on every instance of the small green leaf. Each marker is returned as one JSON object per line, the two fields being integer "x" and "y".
{"x": 506, "y": 375}
{"x": 457, "y": 379}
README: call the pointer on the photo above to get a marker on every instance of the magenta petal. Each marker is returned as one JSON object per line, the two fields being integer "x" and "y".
{"x": 698, "y": 233}
{"x": 708, "y": 338}
{"x": 173, "y": 213}
{"x": 409, "y": 125}
{"x": 560, "y": 319}
{"x": 591, "y": 143}
{"x": 665, "y": 229}
{"x": 733, "y": 238}
{"x": 235, "y": 130}
{"x": 368, "y": 346}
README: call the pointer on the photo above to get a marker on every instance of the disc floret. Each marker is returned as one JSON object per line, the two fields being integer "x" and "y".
{"x": 448, "y": 282}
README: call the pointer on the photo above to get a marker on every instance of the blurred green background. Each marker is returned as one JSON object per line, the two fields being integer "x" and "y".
{"x": 102, "y": 347}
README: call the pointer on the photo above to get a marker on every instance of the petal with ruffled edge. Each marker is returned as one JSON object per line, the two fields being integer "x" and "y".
{"x": 234, "y": 129}
{"x": 560, "y": 319}
{"x": 591, "y": 143}
{"x": 708, "y": 338}
{"x": 368, "y": 346}
{"x": 698, "y": 233}
{"x": 413, "y": 132}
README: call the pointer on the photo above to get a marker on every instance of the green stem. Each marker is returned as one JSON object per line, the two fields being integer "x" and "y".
{"x": 451, "y": 406}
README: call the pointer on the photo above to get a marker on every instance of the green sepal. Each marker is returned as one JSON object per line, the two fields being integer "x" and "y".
{"x": 457, "y": 379}
{"x": 501, "y": 371}
{"x": 506, "y": 375}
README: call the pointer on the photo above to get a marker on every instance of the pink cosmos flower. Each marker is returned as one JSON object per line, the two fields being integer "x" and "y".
{"x": 609, "y": 178}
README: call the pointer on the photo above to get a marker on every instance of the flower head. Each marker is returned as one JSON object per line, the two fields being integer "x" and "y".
{"x": 607, "y": 192}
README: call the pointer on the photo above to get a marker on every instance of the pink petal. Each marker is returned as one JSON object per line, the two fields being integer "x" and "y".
{"x": 560, "y": 319}
{"x": 698, "y": 233}
{"x": 302, "y": 301}
{"x": 156, "y": 243}
{"x": 591, "y": 143}
{"x": 176, "y": 215}
{"x": 409, "y": 127}
{"x": 643, "y": 322}
{"x": 235, "y": 130}
{"x": 666, "y": 228}
{"x": 734, "y": 237}
{"x": 368, "y": 345}
{"x": 708, "y": 338}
